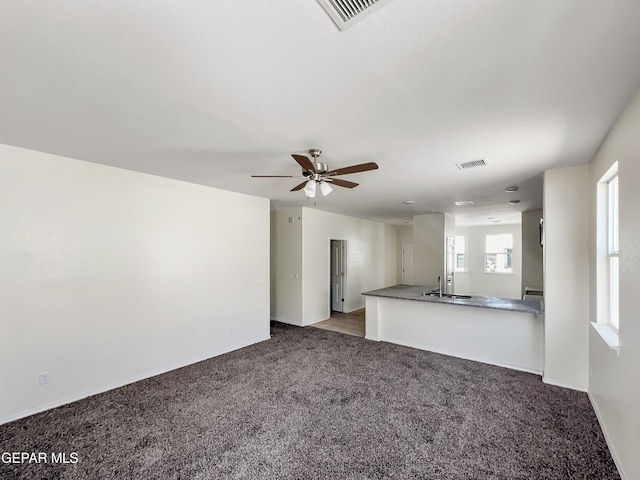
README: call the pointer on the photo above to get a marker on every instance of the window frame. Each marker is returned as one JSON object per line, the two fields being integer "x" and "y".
{"x": 613, "y": 252}
{"x": 456, "y": 268}
{"x": 607, "y": 323}
{"x": 509, "y": 255}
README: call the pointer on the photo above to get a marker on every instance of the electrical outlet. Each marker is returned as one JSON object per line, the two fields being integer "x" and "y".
{"x": 230, "y": 331}
{"x": 44, "y": 378}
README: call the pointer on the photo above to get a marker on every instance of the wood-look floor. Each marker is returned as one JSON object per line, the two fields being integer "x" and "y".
{"x": 350, "y": 323}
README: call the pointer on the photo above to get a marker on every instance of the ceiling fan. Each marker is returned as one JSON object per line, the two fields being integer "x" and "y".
{"x": 315, "y": 172}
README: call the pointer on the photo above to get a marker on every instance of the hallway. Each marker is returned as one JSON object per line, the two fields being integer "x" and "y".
{"x": 349, "y": 323}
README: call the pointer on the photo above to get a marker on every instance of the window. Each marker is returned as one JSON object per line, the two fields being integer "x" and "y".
{"x": 460, "y": 250}
{"x": 608, "y": 259}
{"x": 613, "y": 251}
{"x": 499, "y": 253}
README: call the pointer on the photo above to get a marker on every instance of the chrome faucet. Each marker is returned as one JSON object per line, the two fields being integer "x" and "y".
{"x": 439, "y": 286}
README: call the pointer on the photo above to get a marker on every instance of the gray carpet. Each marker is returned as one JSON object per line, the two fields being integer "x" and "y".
{"x": 312, "y": 403}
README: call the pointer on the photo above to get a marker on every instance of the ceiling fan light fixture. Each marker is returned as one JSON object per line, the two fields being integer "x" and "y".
{"x": 325, "y": 188}
{"x": 314, "y": 173}
{"x": 310, "y": 188}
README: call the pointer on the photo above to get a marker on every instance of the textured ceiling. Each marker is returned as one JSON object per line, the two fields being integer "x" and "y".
{"x": 212, "y": 92}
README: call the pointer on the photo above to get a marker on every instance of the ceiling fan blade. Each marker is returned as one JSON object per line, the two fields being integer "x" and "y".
{"x": 342, "y": 183}
{"x": 363, "y": 167}
{"x": 305, "y": 163}
{"x": 299, "y": 187}
{"x": 274, "y": 176}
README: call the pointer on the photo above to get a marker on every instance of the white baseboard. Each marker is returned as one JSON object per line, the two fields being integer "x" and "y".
{"x": 355, "y": 309}
{"x": 556, "y": 383}
{"x": 607, "y": 438}
{"x": 289, "y": 322}
{"x": 75, "y": 398}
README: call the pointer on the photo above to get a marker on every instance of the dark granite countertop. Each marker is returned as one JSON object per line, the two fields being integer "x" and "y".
{"x": 414, "y": 292}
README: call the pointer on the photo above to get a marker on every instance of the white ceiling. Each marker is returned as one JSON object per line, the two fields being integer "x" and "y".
{"x": 213, "y": 91}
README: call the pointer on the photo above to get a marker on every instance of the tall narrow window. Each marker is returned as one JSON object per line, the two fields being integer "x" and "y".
{"x": 460, "y": 252}
{"x": 608, "y": 259}
{"x": 499, "y": 253}
{"x": 613, "y": 251}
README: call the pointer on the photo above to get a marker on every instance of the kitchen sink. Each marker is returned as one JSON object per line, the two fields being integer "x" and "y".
{"x": 446, "y": 295}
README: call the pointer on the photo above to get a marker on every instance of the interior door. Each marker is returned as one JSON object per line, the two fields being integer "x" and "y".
{"x": 337, "y": 275}
{"x": 407, "y": 263}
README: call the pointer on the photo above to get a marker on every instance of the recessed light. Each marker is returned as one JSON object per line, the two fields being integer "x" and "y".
{"x": 511, "y": 189}
{"x": 513, "y": 202}
{"x": 463, "y": 203}
{"x": 409, "y": 202}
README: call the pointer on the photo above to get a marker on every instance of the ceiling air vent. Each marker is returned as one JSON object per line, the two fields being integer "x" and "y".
{"x": 472, "y": 164}
{"x": 347, "y": 12}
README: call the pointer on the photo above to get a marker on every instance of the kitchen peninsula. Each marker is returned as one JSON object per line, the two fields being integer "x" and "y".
{"x": 499, "y": 331}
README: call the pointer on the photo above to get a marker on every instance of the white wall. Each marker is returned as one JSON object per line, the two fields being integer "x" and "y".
{"x": 531, "y": 250}
{"x": 371, "y": 260}
{"x": 286, "y": 265}
{"x": 110, "y": 276}
{"x": 566, "y": 276}
{"x": 614, "y": 386}
{"x": 476, "y": 281}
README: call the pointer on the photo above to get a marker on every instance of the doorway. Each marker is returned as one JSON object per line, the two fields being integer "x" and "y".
{"x": 338, "y": 272}
{"x": 407, "y": 263}
{"x": 352, "y": 323}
